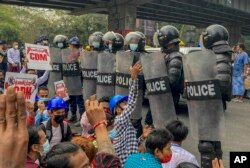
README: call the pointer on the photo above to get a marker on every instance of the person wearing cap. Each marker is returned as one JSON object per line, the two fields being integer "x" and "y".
{"x": 56, "y": 129}
{"x": 125, "y": 141}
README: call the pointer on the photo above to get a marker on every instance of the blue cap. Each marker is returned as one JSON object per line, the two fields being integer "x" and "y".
{"x": 57, "y": 103}
{"x": 74, "y": 41}
{"x": 115, "y": 100}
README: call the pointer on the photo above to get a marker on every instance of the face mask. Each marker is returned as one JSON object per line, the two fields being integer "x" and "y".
{"x": 59, "y": 119}
{"x": 133, "y": 47}
{"x": 46, "y": 147}
{"x": 44, "y": 99}
{"x": 60, "y": 45}
{"x": 166, "y": 159}
{"x": 96, "y": 44}
{"x": 45, "y": 42}
{"x": 110, "y": 46}
{"x": 112, "y": 134}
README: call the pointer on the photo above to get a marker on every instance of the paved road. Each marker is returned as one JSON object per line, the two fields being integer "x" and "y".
{"x": 237, "y": 129}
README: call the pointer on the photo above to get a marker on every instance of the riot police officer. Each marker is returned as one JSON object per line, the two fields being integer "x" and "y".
{"x": 96, "y": 42}
{"x": 215, "y": 38}
{"x": 113, "y": 41}
{"x": 168, "y": 38}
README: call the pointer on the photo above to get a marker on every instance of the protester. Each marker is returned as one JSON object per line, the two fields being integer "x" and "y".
{"x": 217, "y": 163}
{"x": 41, "y": 114}
{"x": 158, "y": 149}
{"x": 40, "y": 79}
{"x": 30, "y": 110}
{"x": 14, "y": 59}
{"x": 3, "y": 64}
{"x": 38, "y": 146}
{"x": 13, "y": 130}
{"x": 86, "y": 145}
{"x": 104, "y": 101}
{"x": 56, "y": 129}
{"x": 125, "y": 141}
{"x": 179, "y": 132}
{"x": 187, "y": 165}
{"x": 239, "y": 73}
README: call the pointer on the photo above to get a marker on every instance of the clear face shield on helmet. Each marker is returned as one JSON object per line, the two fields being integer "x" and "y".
{"x": 132, "y": 39}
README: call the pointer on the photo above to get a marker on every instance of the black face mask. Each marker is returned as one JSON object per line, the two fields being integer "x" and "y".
{"x": 59, "y": 119}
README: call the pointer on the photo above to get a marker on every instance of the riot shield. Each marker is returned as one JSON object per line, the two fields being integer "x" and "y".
{"x": 89, "y": 72}
{"x": 124, "y": 60}
{"x": 203, "y": 94}
{"x": 105, "y": 75}
{"x": 56, "y": 73}
{"x": 158, "y": 88}
{"x": 71, "y": 71}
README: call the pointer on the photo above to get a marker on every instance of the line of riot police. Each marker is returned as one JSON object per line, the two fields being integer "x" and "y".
{"x": 105, "y": 72}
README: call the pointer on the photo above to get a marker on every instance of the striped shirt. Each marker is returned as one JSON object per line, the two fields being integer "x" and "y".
{"x": 126, "y": 143}
{"x": 14, "y": 56}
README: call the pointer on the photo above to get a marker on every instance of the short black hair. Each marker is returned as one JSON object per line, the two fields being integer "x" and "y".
{"x": 104, "y": 99}
{"x": 187, "y": 165}
{"x": 158, "y": 138}
{"x": 43, "y": 88}
{"x": 34, "y": 137}
{"x": 242, "y": 46}
{"x": 178, "y": 130}
{"x": 58, "y": 156}
{"x": 30, "y": 70}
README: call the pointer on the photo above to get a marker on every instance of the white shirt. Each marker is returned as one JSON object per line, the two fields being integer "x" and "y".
{"x": 56, "y": 136}
{"x": 180, "y": 155}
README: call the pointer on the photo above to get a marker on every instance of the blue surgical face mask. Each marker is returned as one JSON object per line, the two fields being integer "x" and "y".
{"x": 44, "y": 99}
{"x": 133, "y": 47}
{"x": 46, "y": 148}
{"x": 112, "y": 134}
{"x": 96, "y": 44}
{"x": 60, "y": 45}
{"x": 110, "y": 46}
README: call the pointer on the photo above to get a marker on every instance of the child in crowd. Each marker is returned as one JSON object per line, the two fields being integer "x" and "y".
{"x": 180, "y": 155}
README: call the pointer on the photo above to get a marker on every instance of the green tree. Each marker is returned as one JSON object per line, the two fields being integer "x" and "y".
{"x": 9, "y": 27}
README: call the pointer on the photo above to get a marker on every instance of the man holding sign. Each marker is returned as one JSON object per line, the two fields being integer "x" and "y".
{"x": 38, "y": 56}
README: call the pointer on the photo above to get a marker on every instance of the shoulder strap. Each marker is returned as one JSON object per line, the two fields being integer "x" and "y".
{"x": 47, "y": 131}
{"x": 65, "y": 129}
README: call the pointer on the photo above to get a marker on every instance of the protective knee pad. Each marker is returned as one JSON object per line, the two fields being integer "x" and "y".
{"x": 207, "y": 152}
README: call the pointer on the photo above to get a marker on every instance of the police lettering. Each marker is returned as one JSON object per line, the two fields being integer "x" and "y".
{"x": 38, "y": 56}
{"x": 104, "y": 79}
{"x": 89, "y": 74}
{"x": 201, "y": 90}
{"x": 56, "y": 67}
{"x": 70, "y": 67}
{"x": 156, "y": 86}
{"x": 123, "y": 80}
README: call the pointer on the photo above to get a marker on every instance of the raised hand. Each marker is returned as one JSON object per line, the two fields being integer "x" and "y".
{"x": 13, "y": 130}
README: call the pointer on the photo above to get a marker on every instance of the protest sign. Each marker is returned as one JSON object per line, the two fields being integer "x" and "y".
{"x": 61, "y": 90}
{"x": 38, "y": 56}
{"x": 22, "y": 82}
